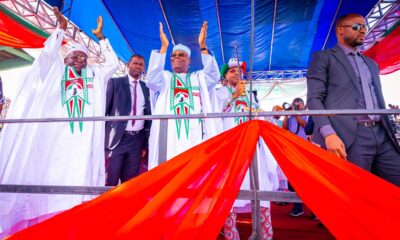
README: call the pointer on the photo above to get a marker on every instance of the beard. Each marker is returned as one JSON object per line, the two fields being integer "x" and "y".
{"x": 354, "y": 41}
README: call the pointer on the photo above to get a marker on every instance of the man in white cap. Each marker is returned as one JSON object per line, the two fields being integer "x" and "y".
{"x": 56, "y": 153}
{"x": 181, "y": 93}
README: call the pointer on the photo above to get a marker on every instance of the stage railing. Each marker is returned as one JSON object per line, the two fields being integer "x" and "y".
{"x": 254, "y": 195}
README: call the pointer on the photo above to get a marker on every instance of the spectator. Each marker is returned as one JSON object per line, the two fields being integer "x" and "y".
{"x": 295, "y": 125}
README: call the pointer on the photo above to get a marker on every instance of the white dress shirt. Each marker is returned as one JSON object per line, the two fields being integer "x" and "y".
{"x": 140, "y": 105}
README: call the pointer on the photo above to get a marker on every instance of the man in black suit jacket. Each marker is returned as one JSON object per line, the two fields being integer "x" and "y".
{"x": 342, "y": 78}
{"x": 126, "y": 142}
{"x": 2, "y": 100}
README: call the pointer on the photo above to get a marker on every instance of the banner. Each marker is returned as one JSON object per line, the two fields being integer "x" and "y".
{"x": 387, "y": 52}
{"x": 18, "y": 33}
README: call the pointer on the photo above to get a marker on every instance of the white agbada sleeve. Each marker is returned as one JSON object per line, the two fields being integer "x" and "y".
{"x": 223, "y": 97}
{"x": 208, "y": 77}
{"x": 210, "y": 70}
{"x": 50, "y": 54}
{"x": 154, "y": 78}
{"x": 110, "y": 64}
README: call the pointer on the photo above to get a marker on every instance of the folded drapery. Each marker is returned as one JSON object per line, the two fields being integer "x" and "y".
{"x": 190, "y": 196}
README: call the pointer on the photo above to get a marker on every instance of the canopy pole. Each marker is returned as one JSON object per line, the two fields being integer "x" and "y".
{"x": 220, "y": 32}
{"x": 332, "y": 23}
{"x": 272, "y": 35}
{"x": 166, "y": 22}
{"x": 254, "y": 180}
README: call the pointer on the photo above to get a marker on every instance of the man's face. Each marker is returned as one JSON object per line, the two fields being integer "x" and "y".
{"x": 349, "y": 36}
{"x": 299, "y": 105}
{"x": 76, "y": 59}
{"x": 180, "y": 61}
{"x": 136, "y": 67}
{"x": 232, "y": 75}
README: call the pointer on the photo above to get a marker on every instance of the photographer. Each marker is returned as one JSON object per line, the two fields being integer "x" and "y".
{"x": 295, "y": 124}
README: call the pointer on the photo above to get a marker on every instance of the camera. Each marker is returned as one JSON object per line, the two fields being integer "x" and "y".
{"x": 287, "y": 107}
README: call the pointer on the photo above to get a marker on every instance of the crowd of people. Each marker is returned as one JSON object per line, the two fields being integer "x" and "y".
{"x": 83, "y": 153}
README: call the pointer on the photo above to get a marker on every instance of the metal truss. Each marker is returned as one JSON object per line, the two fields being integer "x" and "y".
{"x": 278, "y": 75}
{"x": 381, "y": 18}
{"x": 41, "y": 15}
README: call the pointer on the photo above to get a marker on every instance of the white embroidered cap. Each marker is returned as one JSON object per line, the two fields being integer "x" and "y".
{"x": 233, "y": 62}
{"x": 77, "y": 47}
{"x": 182, "y": 47}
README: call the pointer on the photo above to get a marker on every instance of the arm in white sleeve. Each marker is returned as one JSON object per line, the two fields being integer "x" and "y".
{"x": 50, "y": 53}
{"x": 223, "y": 98}
{"x": 211, "y": 70}
{"x": 111, "y": 62}
{"x": 154, "y": 78}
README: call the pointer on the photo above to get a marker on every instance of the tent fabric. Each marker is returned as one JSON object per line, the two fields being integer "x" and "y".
{"x": 387, "y": 52}
{"x": 276, "y": 92}
{"x": 18, "y": 33}
{"x": 190, "y": 196}
{"x": 301, "y": 27}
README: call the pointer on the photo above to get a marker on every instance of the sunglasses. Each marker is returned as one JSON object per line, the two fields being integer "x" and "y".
{"x": 80, "y": 58}
{"x": 177, "y": 55}
{"x": 356, "y": 26}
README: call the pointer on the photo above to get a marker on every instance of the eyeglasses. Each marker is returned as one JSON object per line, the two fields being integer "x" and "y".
{"x": 356, "y": 26}
{"x": 79, "y": 58}
{"x": 177, "y": 55}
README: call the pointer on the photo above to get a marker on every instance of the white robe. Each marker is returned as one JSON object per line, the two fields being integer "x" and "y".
{"x": 159, "y": 81}
{"x": 267, "y": 166}
{"x": 49, "y": 153}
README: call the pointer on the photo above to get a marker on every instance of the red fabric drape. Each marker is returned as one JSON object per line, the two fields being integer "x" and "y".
{"x": 387, "y": 52}
{"x": 15, "y": 34}
{"x": 190, "y": 196}
{"x": 351, "y": 202}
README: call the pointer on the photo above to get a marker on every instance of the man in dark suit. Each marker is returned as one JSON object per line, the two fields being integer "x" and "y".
{"x": 342, "y": 78}
{"x": 2, "y": 99}
{"x": 126, "y": 141}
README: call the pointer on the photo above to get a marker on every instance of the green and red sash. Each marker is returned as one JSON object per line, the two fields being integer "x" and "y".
{"x": 238, "y": 105}
{"x": 74, "y": 94}
{"x": 181, "y": 101}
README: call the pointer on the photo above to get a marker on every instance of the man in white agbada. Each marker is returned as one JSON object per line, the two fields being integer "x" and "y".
{"x": 181, "y": 93}
{"x": 234, "y": 98}
{"x": 58, "y": 153}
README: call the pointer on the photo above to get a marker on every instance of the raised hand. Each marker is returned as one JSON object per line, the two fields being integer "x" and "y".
{"x": 164, "y": 40}
{"x": 203, "y": 35}
{"x": 60, "y": 18}
{"x": 240, "y": 89}
{"x": 98, "y": 32}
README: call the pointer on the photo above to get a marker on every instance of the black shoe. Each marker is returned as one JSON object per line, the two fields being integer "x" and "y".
{"x": 296, "y": 212}
{"x": 314, "y": 217}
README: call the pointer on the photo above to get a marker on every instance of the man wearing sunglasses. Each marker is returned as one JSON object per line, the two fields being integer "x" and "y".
{"x": 181, "y": 92}
{"x": 343, "y": 78}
